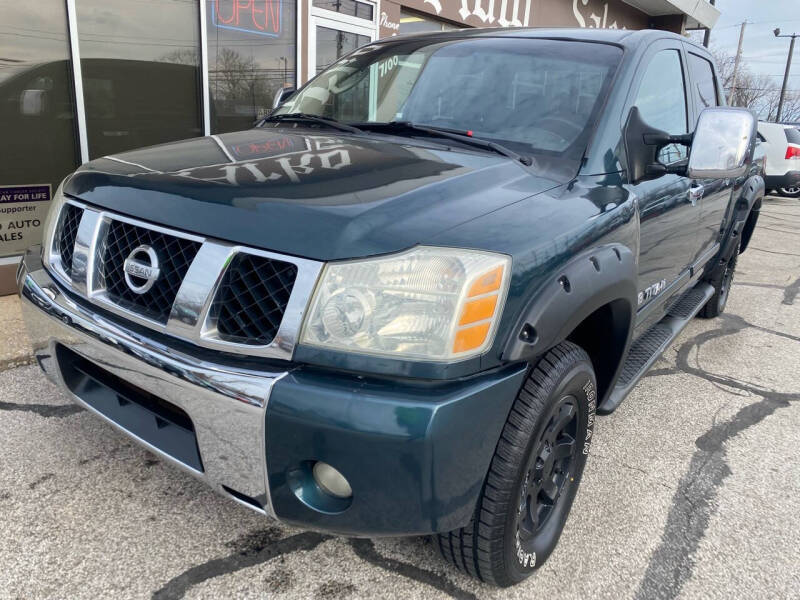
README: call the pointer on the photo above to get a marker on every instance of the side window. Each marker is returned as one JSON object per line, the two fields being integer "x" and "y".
{"x": 705, "y": 88}
{"x": 662, "y": 100}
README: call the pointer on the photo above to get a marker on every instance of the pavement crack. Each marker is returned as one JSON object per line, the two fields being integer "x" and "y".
{"x": 782, "y": 334}
{"x": 773, "y": 251}
{"x": 672, "y": 563}
{"x": 694, "y": 502}
{"x": 334, "y": 589}
{"x": 779, "y": 230}
{"x": 247, "y": 555}
{"x": 661, "y": 372}
{"x": 632, "y": 468}
{"x": 789, "y": 214}
{"x": 731, "y": 324}
{"x": 16, "y": 361}
{"x": 771, "y": 286}
{"x": 365, "y": 549}
{"x": 57, "y": 411}
{"x": 46, "y": 477}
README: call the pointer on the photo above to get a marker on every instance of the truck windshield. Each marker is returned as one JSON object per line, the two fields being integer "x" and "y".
{"x": 536, "y": 96}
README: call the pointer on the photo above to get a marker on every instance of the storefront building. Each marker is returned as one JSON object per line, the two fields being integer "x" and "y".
{"x": 80, "y": 79}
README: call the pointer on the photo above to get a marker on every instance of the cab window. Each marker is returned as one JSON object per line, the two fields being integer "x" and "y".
{"x": 662, "y": 100}
{"x": 705, "y": 88}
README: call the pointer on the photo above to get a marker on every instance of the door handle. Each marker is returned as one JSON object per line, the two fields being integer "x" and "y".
{"x": 695, "y": 193}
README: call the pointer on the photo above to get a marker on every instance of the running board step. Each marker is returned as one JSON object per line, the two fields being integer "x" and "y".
{"x": 649, "y": 346}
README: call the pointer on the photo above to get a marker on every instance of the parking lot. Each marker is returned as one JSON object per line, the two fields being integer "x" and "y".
{"x": 692, "y": 488}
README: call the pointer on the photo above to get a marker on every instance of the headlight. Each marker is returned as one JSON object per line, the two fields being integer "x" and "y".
{"x": 51, "y": 223}
{"x": 426, "y": 303}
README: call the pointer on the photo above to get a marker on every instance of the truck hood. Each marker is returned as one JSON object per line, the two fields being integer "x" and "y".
{"x": 297, "y": 192}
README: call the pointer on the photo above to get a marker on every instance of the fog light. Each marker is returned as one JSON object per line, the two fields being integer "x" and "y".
{"x": 331, "y": 481}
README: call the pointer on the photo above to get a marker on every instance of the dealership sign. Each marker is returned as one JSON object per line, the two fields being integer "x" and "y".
{"x": 519, "y": 13}
{"x": 262, "y": 17}
{"x": 22, "y": 212}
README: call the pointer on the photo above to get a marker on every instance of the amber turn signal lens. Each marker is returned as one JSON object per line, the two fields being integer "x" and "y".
{"x": 488, "y": 282}
{"x": 470, "y": 338}
{"x": 478, "y": 310}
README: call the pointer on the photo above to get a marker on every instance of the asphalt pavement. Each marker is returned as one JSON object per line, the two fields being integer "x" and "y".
{"x": 692, "y": 489}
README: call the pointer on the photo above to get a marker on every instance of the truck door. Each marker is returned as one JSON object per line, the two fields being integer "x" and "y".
{"x": 715, "y": 194}
{"x": 668, "y": 209}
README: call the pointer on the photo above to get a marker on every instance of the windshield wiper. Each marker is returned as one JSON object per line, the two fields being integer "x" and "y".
{"x": 312, "y": 119}
{"x": 465, "y": 137}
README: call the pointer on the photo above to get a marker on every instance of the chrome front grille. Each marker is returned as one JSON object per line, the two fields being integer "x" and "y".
{"x": 175, "y": 256}
{"x": 67, "y": 232}
{"x": 249, "y": 305}
{"x": 211, "y": 293}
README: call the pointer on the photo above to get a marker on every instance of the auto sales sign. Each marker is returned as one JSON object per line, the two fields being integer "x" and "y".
{"x": 22, "y": 212}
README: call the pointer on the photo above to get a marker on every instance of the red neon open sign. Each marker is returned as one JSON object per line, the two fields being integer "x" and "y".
{"x": 253, "y": 16}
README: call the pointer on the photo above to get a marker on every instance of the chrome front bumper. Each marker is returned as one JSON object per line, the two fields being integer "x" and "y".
{"x": 226, "y": 405}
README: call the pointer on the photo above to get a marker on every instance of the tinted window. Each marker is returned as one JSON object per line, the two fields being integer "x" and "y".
{"x": 705, "y": 89}
{"x": 141, "y": 75}
{"x": 537, "y": 95}
{"x": 792, "y": 135}
{"x": 251, "y": 54}
{"x": 411, "y": 22}
{"x": 37, "y": 114}
{"x": 354, "y": 8}
{"x": 333, "y": 44}
{"x": 662, "y": 100}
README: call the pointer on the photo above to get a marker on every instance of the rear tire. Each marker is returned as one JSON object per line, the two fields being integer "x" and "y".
{"x": 534, "y": 473}
{"x": 792, "y": 192}
{"x": 722, "y": 280}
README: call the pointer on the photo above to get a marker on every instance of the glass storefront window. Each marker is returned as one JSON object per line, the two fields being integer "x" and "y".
{"x": 411, "y": 22}
{"x": 333, "y": 44}
{"x": 354, "y": 8}
{"x": 37, "y": 117}
{"x": 141, "y": 74}
{"x": 251, "y": 54}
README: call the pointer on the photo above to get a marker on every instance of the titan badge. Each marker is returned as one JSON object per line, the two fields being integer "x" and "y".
{"x": 651, "y": 291}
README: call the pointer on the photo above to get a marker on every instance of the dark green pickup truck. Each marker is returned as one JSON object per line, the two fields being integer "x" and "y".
{"x": 396, "y": 305}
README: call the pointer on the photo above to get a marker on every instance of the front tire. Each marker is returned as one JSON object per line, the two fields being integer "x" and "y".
{"x": 534, "y": 473}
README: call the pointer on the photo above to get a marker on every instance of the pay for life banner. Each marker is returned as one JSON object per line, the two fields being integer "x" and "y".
{"x": 22, "y": 212}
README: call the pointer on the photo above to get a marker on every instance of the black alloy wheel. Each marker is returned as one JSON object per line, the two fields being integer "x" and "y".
{"x": 722, "y": 280}
{"x": 534, "y": 473}
{"x": 552, "y": 464}
{"x": 727, "y": 281}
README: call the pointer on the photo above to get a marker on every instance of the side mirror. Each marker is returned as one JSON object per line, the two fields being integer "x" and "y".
{"x": 642, "y": 145}
{"x": 281, "y": 96}
{"x": 721, "y": 144}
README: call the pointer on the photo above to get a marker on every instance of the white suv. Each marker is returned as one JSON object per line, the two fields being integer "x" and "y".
{"x": 782, "y": 168}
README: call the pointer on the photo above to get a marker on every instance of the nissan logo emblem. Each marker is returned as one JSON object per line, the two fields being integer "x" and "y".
{"x": 141, "y": 266}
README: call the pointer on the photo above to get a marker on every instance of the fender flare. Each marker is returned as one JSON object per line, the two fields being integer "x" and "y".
{"x": 741, "y": 223}
{"x": 589, "y": 281}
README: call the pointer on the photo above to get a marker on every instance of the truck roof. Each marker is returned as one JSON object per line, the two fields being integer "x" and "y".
{"x": 623, "y": 37}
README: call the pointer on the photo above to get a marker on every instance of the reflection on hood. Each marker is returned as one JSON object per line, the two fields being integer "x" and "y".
{"x": 277, "y": 188}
